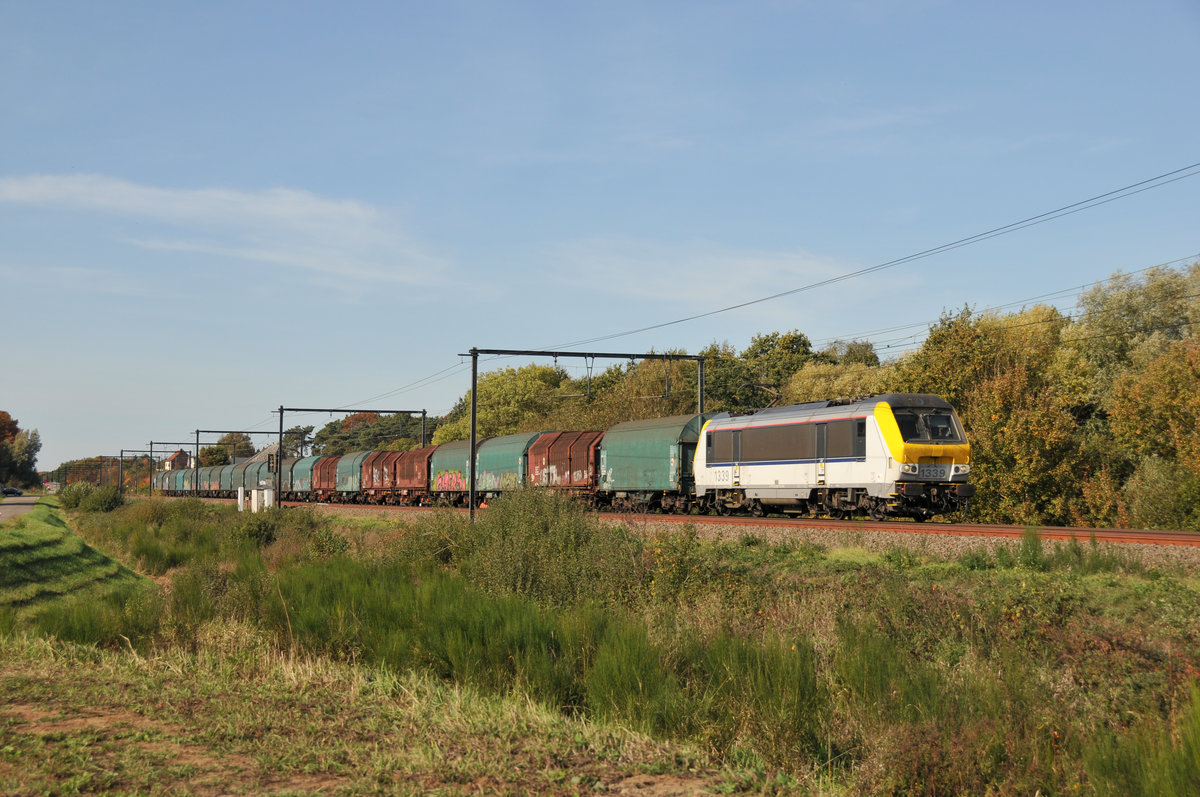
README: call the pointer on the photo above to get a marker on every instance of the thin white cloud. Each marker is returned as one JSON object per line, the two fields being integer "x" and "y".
{"x": 280, "y": 227}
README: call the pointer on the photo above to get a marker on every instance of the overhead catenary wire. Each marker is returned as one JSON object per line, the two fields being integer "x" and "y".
{"x": 1041, "y": 218}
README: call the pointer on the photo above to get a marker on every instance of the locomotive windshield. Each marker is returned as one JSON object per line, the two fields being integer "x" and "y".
{"x": 928, "y": 426}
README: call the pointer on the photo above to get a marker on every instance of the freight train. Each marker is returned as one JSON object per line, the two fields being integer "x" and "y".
{"x": 894, "y": 455}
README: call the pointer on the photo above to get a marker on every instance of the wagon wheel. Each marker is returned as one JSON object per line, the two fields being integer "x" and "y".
{"x": 878, "y": 510}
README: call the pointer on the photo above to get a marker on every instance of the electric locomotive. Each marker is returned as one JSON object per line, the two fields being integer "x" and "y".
{"x": 895, "y": 455}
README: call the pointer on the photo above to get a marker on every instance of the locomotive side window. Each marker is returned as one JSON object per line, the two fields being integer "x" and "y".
{"x": 786, "y": 443}
{"x": 860, "y": 439}
{"x": 840, "y": 440}
{"x": 720, "y": 447}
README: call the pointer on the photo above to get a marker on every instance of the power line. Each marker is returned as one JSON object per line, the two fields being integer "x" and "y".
{"x": 1086, "y": 204}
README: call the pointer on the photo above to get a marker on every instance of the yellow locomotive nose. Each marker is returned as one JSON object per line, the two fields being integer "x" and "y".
{"x": 924, "y": 446}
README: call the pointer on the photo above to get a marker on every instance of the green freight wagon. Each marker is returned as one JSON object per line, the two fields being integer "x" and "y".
{"x": 449, "y": 470}
{"x": 349, "y": 473}
{"x": 647, "y": 464}
{"x": 206, "y": 479}
{"x": 285, "y": 475}
{"x": 301, "y": 486}
{"x": 502, "y": 462}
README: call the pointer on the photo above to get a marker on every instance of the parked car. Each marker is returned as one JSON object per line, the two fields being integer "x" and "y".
{"x": 12, "y": 491}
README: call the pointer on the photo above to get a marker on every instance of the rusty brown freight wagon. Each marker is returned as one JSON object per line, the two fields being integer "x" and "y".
{"x": 566, "y": 460}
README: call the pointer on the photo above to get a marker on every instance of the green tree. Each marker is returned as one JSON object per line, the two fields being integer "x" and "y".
{"x": 1024, "y": 449}
{"x": 1155, "y": 411}
{"x": 1130, "y": 318}
{"x": 729, "y": 381}
{"x": 509, "y": 401}
{"x": 213, "y": 455}
{"x": 964, "y": 350}
{"x": 774, "y": 358}
{"x": 854, "y": 352}
{"x": 238, "y": 444}
{"x": 296, "y": 440}
{"x": 18, "y": 452}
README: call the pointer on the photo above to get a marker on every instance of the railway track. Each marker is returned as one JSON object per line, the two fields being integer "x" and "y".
{"x": 1056, "y": 533}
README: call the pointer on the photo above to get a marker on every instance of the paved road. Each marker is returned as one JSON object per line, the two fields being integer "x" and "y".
{"x": 15, "y": 505}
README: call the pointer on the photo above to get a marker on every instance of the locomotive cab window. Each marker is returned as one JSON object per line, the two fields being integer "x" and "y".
{"x": 928, "y": 426}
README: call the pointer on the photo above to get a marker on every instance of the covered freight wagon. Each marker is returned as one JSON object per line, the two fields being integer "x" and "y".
{"x": 379, "y": 476}
{"x": 502, "y": 462}
{"x": 350, "y": 475}
{"x": 566, "y": 460}
{"x": 412, "y": 475}
{"x": 450, "y": 470}
{"x": 648, "y": 464}
{"x": 300, "y": 488}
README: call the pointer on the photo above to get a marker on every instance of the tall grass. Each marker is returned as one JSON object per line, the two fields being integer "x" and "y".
{"x": 581, "y": 659}
{"x": 536, "y": 544}
{"x": 1149, "y": 760}
{"x": 1031, "y": 553}
{"x": 127, "y": 615}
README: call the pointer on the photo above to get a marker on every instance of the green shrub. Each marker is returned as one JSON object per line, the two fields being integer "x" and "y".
{"x": 260, "y": 528}
{"x": 1163, "y": 495}
{"x": 1029, "y": 552}
{"x": 542, "y": 545}
{"x": 761, "y": 696}
{"x": 326, "y": 542}
{"x": 976, "y": 559}
{"x": 71, "y": 495}
{"x": 629, "y": 682}
{"x": 102, "y": 499}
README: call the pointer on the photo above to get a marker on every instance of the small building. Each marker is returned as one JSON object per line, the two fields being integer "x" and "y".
{"x": 178, "y": 461}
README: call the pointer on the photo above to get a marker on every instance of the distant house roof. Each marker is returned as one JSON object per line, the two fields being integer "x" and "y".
{"x": 261, "y": 456}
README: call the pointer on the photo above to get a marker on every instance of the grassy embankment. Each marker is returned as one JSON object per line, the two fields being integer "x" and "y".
{"x": 789, "y": 667}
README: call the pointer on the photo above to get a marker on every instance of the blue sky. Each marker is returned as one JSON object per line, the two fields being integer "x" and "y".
{"x": 211, "y": 209}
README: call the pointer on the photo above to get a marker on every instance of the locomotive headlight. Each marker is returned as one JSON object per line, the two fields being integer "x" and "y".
{"x": 962, "y": 470}
{"x": 909, "y": 468}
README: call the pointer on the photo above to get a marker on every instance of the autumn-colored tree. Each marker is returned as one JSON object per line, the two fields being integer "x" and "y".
{"x": 1155, "y": 412}
{"x": 18, "y": 452}
{"x": 8, "y": 427}
{"x": 818, "y": 381}
{"x": 1024, "y": 449}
